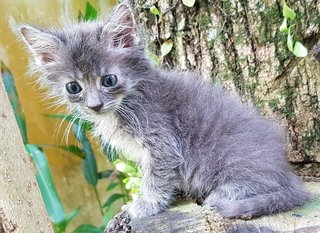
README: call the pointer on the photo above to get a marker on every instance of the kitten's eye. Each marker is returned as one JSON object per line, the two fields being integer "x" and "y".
{"x": 109, "y": 80}
{"x": 73, "y": 87}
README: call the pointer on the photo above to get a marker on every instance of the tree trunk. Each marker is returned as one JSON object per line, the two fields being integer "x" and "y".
{"x": 21, "y": 206}
{"x": 238, "y": 44}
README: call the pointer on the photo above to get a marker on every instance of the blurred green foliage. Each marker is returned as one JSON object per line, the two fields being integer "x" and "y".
{"x": 287, "y": 27}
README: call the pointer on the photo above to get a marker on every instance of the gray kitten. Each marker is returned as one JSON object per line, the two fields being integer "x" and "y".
{"x": 187, "y": 135}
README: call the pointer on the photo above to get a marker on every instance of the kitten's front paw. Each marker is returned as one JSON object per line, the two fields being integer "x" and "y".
{"x": 141, "y": 208}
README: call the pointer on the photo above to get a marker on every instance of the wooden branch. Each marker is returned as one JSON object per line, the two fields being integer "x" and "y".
{"x": 188, "y": 217}
{"x": 21, "y": 205}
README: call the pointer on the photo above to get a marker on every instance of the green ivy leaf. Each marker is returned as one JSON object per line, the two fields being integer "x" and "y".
{"x": 153, "y": 57}
{"x": 166, "y": 47}
{"x": 288, "y": 12}
{"x": 299, "y": 50}
{"x": 154, "y": 10}
{"x": 112, "y": 199}
{"x": 290, "y": 41}
{"x": 189, "y": 3}
{"x": 283, "y": 27}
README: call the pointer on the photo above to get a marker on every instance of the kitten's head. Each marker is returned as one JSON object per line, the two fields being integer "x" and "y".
{"x": 90, "y": 66}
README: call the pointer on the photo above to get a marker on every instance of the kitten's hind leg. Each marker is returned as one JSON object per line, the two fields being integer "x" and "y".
{"x": 261, "y": 204}
{"x": 227, "y": 208}
{"x": 225, "y": 198}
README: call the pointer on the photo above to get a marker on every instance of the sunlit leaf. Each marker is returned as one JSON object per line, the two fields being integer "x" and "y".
{"x": 12, "y": 93}
{"x": 89, "y": 164}
{"x": 87, "y": 228}
{"x": 124, "y": 167}
{"x": 288, "y": 12}
{"x": 133, "y": 183}
{"x": 299, "y": 50}
{"x": 112, "y": 199}
{"x": 154, "y": 10}
{"x": 166, "y": 47}
{"x": 90, "y": 13}
{"x": 48, "y": 190}
{"x": 125, "y": 180}
{"x": 283, "y": 27}
{"x": 188, "y": 3}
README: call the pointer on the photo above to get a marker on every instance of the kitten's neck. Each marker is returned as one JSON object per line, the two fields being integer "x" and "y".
{"x": 133, "y": 112}
{"x": 112, "y": 132}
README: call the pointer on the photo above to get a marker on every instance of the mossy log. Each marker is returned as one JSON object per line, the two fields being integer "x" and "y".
{"x": 238, "y": 43}
{"x": 188, "y": 217}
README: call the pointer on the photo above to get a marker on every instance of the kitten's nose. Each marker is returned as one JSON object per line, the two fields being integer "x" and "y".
{"x": 96, "y": 108}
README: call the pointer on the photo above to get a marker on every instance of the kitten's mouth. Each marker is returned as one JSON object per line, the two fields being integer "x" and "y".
{"x": 102, "y": 111}
{"x": 93, "y": 116}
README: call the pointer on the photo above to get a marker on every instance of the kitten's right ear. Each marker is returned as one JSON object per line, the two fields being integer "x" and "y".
{"x": 121, "y": 29}
{"x": 42, "y": 45}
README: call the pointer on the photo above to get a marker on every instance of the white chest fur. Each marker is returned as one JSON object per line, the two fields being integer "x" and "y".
{"x": 108, "y": 127}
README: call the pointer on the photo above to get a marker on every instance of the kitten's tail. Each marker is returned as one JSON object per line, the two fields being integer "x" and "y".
{"x": 283, "y": 200}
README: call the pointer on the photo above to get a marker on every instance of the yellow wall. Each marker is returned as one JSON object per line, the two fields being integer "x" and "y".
{"x": 66, "y": 168}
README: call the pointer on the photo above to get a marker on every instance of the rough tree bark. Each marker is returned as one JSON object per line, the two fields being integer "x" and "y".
{"x": 238, "y": 43}
{"x": 21, "y": 206}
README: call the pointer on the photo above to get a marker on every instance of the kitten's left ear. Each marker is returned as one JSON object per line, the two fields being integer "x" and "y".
{"x": 120, "y": 29}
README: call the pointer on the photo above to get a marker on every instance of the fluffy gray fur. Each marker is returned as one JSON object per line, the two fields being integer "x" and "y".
{"x": 186, "y": 134}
